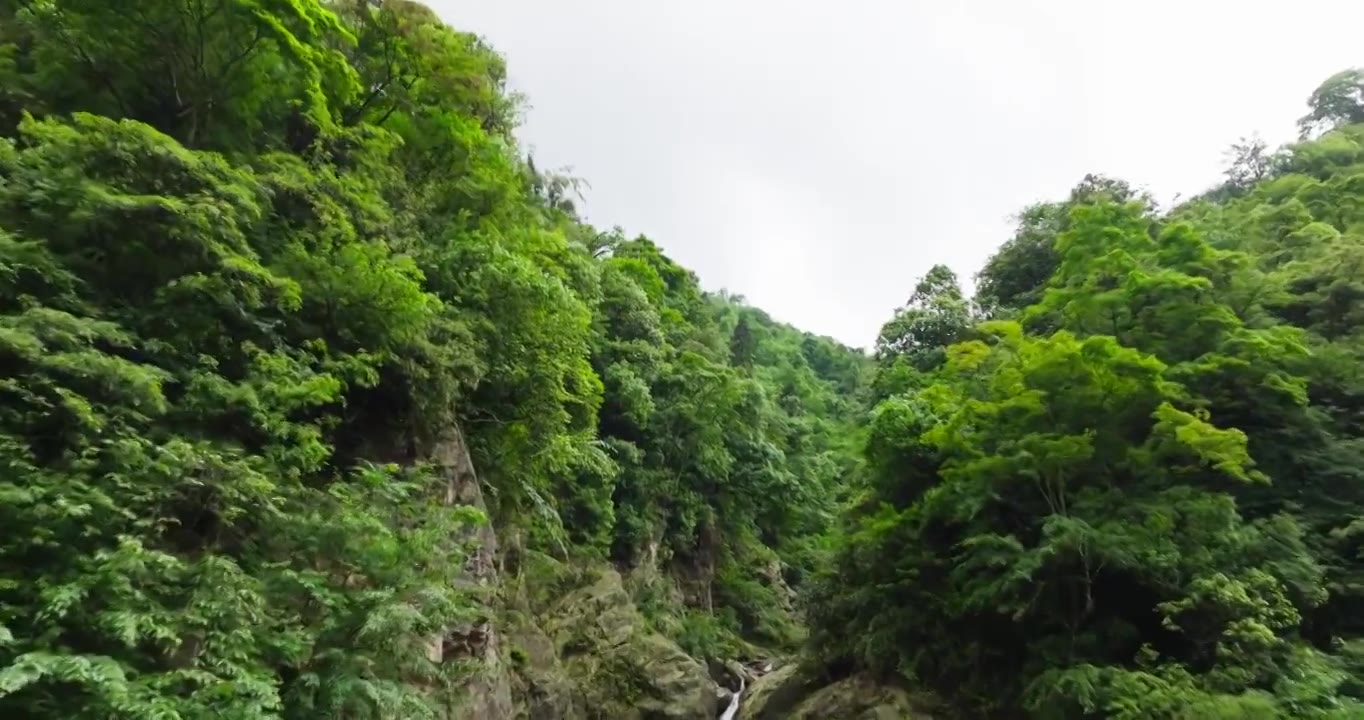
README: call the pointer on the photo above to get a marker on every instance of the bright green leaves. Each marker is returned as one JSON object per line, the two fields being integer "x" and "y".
{"x": 1054, "y": 417}
{"x": 187, "y": 534}
{"x": 539, "y": 397}
{"x": 229, "y": 75}
{"x": 335, "y": 238}
{"x": 419, "y": 74}
{"x": 1073, "y": 477}
{"x": 915, "y": 341}
{"x": 188, "y": 265}
{"x": 1116, "y": 517}
{"x": 1193, "y": 437}
{"x": 936, "y": 316}
{"x": 627, "y": 311}
{"x": 1016, "y": 276}
{"x": 253, "y": 251}
{"x": 905, "y": 463}
{"x": 1157, "y": 295}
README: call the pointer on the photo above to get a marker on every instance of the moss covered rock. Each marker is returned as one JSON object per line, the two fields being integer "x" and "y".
{"x": 541, "y": 687}
{"x": 789, "y": 693}
{"x": 620, "y": 668}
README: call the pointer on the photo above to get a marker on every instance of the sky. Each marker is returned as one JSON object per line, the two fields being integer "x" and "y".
{"x": 819, "y": 157}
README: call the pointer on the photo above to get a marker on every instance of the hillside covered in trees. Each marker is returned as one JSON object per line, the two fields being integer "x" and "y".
{"x": 1125, "y": 481}
{"x": 321, "y": 400}
{"x": 266, "y": 268}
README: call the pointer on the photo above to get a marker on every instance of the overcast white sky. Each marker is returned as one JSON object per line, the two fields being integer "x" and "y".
{"x": 818, "y": 157}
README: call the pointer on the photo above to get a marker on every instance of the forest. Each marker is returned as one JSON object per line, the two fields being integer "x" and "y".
{"x": 258, "y": 260}
{"x": 1123, "y": 480}
{"x": 320, "y": 399}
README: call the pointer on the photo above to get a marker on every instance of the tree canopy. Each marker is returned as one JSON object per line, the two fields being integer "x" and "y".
{"x": 256, "y": 259}
{"x": 1130, "y": 489}
{"x": 261, "y": 260}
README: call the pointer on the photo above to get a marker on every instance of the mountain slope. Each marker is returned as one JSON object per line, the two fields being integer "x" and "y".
{"x": 1126, "y": 485}
{"x": 304, "y": 357}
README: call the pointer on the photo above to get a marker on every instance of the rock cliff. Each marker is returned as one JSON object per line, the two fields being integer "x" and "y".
{"x": 558, "y": 641}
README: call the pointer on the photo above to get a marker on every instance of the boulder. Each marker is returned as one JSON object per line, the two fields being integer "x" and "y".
{"x": 789, "y": 693}
{"x": 858, "y": 698}
{"x": 775, "y": 693}
{"x": 620, "y": 667}
{"x": 541, "y": 687}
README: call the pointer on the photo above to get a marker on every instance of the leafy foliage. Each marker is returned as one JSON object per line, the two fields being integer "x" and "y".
{"x": 1134, "y": 493}
{"x": 256, "y": 257}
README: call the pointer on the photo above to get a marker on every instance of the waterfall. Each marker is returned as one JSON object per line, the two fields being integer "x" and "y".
{"x": 733, "y": 708}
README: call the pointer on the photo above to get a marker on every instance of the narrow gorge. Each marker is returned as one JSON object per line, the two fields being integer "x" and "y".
{"x": 321, "y": 399}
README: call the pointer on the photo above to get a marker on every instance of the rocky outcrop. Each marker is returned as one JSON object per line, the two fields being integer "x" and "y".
{"x": 556, "y": 641}
{"x": 788, "y": 693}
{"x": 771, "y": 573}
{"x": 776, "y": 692}
{"x": 617, "y": 666}
{"x": 541, "y": 687}
{"x": 487, "y": 692}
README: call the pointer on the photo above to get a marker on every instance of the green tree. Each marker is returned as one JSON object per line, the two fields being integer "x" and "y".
{"x": 1015, "y": 276}
{"x": 915, "y": 340}
{"x": 1142, "y": 499}
{"x": 1339, "y": 100}
{"x": 741, "y": 344}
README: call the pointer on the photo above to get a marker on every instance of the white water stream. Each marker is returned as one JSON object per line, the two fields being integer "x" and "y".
{"x": 733, "y": 708}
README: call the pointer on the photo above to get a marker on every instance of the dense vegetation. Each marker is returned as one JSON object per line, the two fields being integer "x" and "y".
{"x": 260, "y": 259}
{"x": 1125, "y": 482}
{"x": 257, "y": 259}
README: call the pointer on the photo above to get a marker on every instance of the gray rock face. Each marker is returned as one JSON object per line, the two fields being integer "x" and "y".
{"x": 564, "y": 646}
{"x": 622, "y": 669}
{"x": 540, "y": 685}
{"x": 487, "y": 694}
